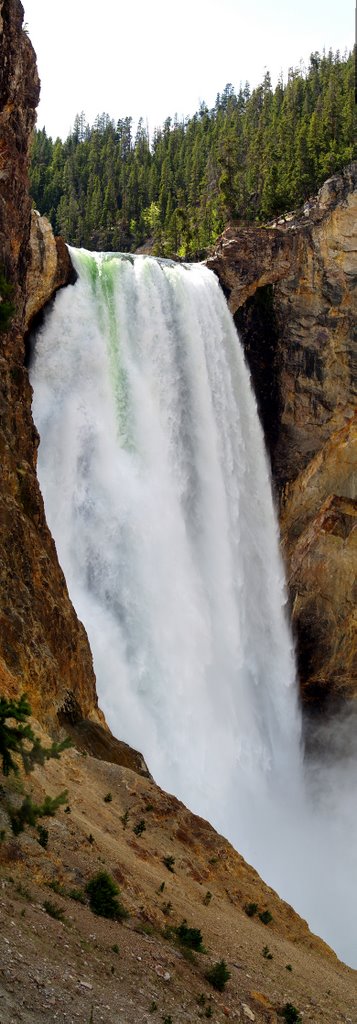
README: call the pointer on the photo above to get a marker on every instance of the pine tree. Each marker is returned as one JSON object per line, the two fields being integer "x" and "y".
{"x": 18, "y": 742}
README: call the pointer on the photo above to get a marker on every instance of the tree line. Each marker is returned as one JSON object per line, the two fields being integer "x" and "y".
{"x": 254, "y": 155}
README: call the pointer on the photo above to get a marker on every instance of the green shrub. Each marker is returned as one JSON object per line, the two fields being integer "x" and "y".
{"x": 251, "y": 909}
{"x": 291, "y": 1014}
{"x": 169, "y": 862}
{"x": 28, "y": 812}
{"x": 218, "y": 975}
{"x": 77, "y": 895}
{"x": 190, "y": 937}
{"x": 266, "y": 953}
{"x": 140, "y": 827}
{"x": 13, "y": 737}
{"x": 103, "y": 892}
{"x": 18, "y": 739}
{"x": 56, "y": 886}
{"x": 108, "y": 798}
{"x": 53, "y": 910}
{"x": 266, "y": 917}
{"x": 207, "y": 898}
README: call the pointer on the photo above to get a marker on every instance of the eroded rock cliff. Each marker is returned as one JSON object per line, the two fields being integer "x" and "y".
{"x": 43, "y": 647}
{"x": 292, "y": 289}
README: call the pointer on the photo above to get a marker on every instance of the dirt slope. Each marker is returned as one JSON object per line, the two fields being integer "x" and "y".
{"x": 69, "y": 970}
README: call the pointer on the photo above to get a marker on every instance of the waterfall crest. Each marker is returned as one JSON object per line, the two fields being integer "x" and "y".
{"x": 157, "y": 491}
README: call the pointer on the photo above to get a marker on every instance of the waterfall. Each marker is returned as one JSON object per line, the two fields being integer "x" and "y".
{"x": 157, "y": 492}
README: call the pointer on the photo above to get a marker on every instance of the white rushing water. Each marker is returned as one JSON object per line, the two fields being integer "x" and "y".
{"x": 157, "y": 491}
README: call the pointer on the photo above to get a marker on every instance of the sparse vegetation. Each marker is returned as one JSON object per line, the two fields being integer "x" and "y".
{"x": 19, "y": 739}
{"x": 77, "y": 895}
{"x": 167, "y": 908}
{"x": 169, "y": 862}
{"x": 43, "y": 836}
{"x": 190, "y": 937}
{"x": 218, "y": 975}
{"x": 7, "y": 309}
{"x": 266, "y": 917}
{"x": 153, "y": 1007}
{"x": 140, "y": 827}
{"x": 56, "y": 886}
{"x": 103, "y": 897}
{"x": 124, "y": 819}
{"x": 53, "y": 910}
{"x": 19, "y": 743}
{"x": 291, "y": 1014}
{"x": 22, "y": 891}
{"x": 251, "y": 909}
{"x": 207, "y": 898}
{"x": 28, "y": 812}
{"x": 266, "y": 953}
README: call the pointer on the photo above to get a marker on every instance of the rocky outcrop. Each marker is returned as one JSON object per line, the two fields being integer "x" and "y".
{"x": 43, "y": 648}
{"x": 49, "y": 267}
{"x": 292, "y": 289}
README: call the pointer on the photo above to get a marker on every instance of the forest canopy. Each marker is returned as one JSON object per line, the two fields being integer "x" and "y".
{"x": 253, "y": 156}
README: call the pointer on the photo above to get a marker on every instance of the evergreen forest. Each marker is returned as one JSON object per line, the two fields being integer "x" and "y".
{"x": 254, "y": 155}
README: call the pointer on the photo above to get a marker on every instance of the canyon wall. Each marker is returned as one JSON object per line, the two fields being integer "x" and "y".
{"x": 291, "y": 287}
{"x": 43, "y": 647}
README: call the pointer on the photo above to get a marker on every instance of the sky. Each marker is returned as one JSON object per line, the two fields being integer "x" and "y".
{"x": 155, "y": 59}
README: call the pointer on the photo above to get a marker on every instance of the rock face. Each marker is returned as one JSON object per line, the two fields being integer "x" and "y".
{"x": 49, "y": 267}
{"x": 43, "y": 648}
{"x": 292, "y": 290}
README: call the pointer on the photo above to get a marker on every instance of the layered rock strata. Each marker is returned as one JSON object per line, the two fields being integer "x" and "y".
{"x": 291, "y": 287}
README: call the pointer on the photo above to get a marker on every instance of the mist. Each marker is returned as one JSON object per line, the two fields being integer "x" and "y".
{"x": 157, "y": 491}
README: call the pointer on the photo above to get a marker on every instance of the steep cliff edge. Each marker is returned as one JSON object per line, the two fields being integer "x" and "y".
{"x": 291, "y": 287}
{"x": 43, "y": 647}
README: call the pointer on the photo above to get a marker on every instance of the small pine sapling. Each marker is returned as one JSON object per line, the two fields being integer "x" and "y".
{"x": 103, "y": 893}
{"x": 291, "y": 1014}
{"x": 17, "y": 740}
{"x": 218, "y": 975}
{"x": 266, "y": 917}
